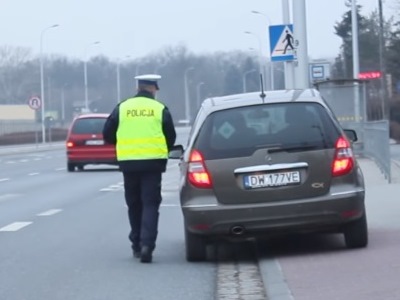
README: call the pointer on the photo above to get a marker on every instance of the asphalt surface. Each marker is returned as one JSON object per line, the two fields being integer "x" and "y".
{"x": 74, "y": 244}
{"x": 64, "y": 236}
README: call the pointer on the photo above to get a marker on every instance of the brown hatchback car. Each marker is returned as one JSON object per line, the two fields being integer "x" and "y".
{"x": 258, "y": 166}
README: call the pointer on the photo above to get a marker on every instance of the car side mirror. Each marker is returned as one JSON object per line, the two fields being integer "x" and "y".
{"x": 176, "y": 152}
{"x": 351, "y": 135}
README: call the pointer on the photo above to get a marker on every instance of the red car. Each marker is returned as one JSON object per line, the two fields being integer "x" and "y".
{"x": 85, "y": 143}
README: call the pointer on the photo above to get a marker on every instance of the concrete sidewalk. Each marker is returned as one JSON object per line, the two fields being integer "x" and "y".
{"x": 383, "y": 212}
{"x": 374, "y": 176}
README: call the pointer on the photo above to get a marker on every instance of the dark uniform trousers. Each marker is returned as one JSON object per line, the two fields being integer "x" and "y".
{"x": 143, "y": 198}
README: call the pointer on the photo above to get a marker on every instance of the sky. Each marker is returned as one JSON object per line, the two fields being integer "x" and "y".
{"x": 136, "y": 28}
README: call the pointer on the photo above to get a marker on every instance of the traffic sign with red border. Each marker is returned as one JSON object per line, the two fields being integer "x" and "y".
{"x": 35, "y": 103}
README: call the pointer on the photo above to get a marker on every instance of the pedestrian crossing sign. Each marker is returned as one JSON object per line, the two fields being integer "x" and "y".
{"x": 282, "y": 42}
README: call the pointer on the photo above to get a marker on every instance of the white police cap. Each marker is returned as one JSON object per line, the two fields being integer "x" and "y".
{"x": 149, "y": 79}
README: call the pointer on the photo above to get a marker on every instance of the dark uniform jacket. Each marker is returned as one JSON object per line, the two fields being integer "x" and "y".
{"x": 149, "y": 165}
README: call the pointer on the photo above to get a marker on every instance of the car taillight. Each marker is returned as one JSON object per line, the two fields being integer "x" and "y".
{"x": 197, "y": 173}
{"x": 343, "y": 161}
{"x": 70, "y": 144}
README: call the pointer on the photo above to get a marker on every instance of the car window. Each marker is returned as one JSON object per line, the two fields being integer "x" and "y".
{"x": 241, "y": 131}
{"x": 88, "y": 126}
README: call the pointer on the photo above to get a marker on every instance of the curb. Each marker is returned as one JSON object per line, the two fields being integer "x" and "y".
{"x": 7, "y": 150}
{"x": 396, "y": 162}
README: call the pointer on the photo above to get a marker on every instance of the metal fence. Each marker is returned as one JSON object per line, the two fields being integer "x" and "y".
{"x": 28, "y": 132}
{"x": 354, "y": 105}
{"x": 8, "y": 127}
{"x": 377, "y": 145}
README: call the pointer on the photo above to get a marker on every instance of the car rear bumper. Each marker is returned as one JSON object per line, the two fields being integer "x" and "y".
{"x": 86, "y": 157}
{"x": 93, "y": 162}
{"x": 304, "y": 215}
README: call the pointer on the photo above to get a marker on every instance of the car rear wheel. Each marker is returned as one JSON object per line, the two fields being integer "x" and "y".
{"x": 196, "y": 247}
{"x": 70, "y": 167}
{"x": 80, "y": 168}
{"x": 356, "y": 233}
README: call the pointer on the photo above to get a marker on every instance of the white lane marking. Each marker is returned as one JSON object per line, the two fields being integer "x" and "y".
{"x": 4, "y": 179}
{"x": 61, "y": 169}
{"x": 114, "y": 187}
{"x": 200, "y": 205}
{"x": 15, "y": 226}
{"x": 33, "y": 174}
{"x": 8, "y": 197}
{"x": 49, "y": 212}
{"x": 162, "y": 205}
{"x": 23, "y": 160}
{"x": 37, "y": 158}
{"x": 10, "y": 162}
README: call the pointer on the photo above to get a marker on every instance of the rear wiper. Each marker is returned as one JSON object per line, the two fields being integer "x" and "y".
{"x": 293, "y": 148}
{"x": 321, "y": 134}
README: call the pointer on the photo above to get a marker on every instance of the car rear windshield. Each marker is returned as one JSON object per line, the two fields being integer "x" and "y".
{"x": 293, "y": 126}
{"x": 88, "y": 126}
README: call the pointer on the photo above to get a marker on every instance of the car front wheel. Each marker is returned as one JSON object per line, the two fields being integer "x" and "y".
{"x": 356, "y": 233}
{"x": 196, "y": 247}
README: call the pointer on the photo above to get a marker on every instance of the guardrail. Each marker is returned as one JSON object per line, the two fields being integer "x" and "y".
{"x": 377, "y": 145}
{"x": 23, "y": 132}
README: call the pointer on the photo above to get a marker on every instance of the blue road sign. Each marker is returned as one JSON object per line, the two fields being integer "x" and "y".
{"x": 281, "y": 42}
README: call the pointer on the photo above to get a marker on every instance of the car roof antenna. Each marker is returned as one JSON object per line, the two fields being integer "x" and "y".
{"x": 262, "y": 95}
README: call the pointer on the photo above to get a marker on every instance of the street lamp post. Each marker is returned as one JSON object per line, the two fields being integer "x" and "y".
{"x": 42, "y": 96}
{"x": 119, "y": 78}
{"x": 385, "y": 93}
{"x": 271, "y": 69}
{"x": 85, "y": 76}
{"x": 260, "y": 52}
{"x": 187, "y": 100}
{"x": 198, "y": 93}
{"x": 63, "y": 103}
{"x": 244, "y": 77}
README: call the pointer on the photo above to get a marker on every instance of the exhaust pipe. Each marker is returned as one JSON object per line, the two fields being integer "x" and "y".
{"x": 237, "y": 230}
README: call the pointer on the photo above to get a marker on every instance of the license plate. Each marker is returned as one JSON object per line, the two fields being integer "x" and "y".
{"x": 271, "y": 179}
{"x": 95, "y": 142}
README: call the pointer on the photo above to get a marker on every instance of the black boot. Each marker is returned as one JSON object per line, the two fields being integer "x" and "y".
{"x": 136, "y": 252}
{"x": 146, "y": 255}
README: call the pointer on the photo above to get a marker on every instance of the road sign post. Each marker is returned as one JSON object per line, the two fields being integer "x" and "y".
{"x": 35, "y": 103}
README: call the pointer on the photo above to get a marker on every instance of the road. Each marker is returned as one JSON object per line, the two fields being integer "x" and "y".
{"x": 64, "y": 236}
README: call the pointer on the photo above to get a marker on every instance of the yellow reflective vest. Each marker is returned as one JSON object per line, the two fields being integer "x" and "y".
{"x": 140, "y": 135}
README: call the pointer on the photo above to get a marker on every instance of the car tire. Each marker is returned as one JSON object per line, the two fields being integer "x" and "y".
{"x": 196, "y": 247}
{"x": 80, "y": 168}
{"x": 356, "y": 233}
{"x": 70, "y": 167}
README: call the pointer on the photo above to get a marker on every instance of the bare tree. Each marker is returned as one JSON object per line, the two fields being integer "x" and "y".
{"x": 15, "y": 73}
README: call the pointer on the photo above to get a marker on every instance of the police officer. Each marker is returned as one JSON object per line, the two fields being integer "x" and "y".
{"x": 143, "y": 131}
